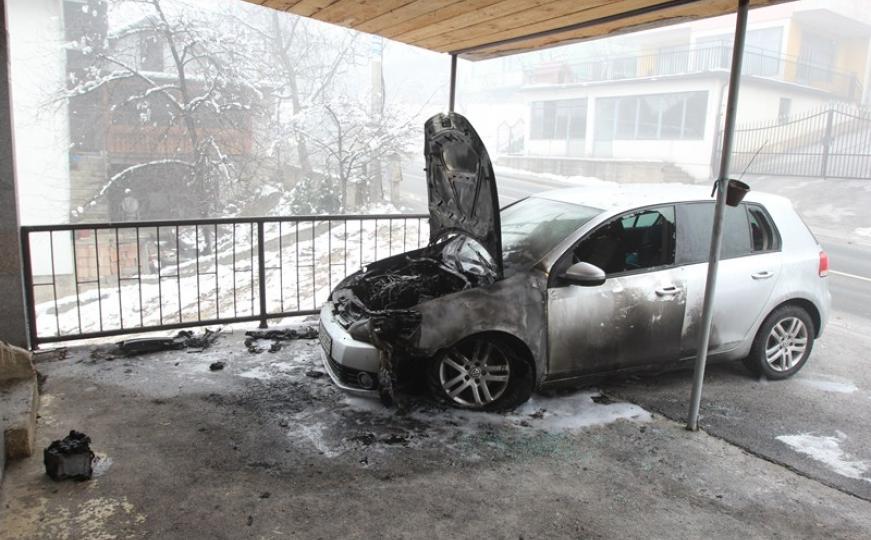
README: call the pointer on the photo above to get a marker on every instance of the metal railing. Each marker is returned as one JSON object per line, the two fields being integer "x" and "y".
{"x": 695, "y": 59}
{"x": 105, "y": 279}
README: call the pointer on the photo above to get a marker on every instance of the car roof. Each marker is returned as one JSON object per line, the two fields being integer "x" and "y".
{"x": 614, "y": 197}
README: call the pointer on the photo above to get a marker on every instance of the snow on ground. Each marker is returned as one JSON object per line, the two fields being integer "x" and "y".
{"x": 863, "y": 231}
{"x": 827, "y": 211}
{"x": 289, "y": 387}
{"x": 827, "y": 450}
{"x": 828, "y": 383}
{"x": 569, "y": 181}
{"x": 312, "y": 258}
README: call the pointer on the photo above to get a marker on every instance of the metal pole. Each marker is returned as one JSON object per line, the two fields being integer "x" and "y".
{"x": 719, "y": 214}
{"x": 453, "y": 89}
{"x": 261, "y": 273}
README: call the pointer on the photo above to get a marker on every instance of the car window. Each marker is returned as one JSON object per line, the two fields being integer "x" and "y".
{"x": 694, "y": 236}
{"x": 762, "y": 233}
{"x": 636, "y": 241}
{"x": 534, "y": 226}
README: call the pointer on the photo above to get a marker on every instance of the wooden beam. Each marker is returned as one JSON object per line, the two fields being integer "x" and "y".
{"x": 553, "y": 14}
{"x": 307, "y": 8}
{"x": 470, "y": 20}
{"x": 352, "y": 14}
{"x": 649, "y": 20}
{"x": 433, "y": 17}
{"x": 404, "y": 13}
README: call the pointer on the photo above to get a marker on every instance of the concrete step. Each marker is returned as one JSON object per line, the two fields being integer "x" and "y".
{"x": 19, "y": 402}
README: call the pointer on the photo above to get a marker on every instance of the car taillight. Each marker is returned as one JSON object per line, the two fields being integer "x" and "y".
{"x": 824, "y": 264}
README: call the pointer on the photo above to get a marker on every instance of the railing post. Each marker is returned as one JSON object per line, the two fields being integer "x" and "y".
{"x": 27, "y": 269}
{"x": 261, "y": 273}
{"x": 827, "y": 142}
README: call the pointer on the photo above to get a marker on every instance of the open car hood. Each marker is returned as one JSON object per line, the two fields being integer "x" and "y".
{"x": 461, "y": 186}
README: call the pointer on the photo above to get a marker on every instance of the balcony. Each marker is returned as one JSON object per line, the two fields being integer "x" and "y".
{"x": 697, "y": 60}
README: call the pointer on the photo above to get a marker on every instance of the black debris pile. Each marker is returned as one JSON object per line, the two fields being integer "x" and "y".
{"x": 185, "y": 339}
{"x": 70, "y": 457}
{"x": 216, "y": 366}
{"x": 277, "y": 336}
{"x": 602, "y": 399}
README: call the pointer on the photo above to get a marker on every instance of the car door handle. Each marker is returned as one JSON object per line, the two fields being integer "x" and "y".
{"x": 765, "y": 274}
{"x": 667, "y": 291}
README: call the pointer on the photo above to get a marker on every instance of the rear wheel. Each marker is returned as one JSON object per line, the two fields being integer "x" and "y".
{"x": 783, "y": 343}
{"x": 481, "y": 373}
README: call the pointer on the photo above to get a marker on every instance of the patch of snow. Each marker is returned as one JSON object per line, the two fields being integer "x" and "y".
{"x": 315, "y": 433}
{"x": 829, "y": 384}
{"x": 828, "y": 211}
{"x": 257, "y": 372}
{"x": 863, "y": 231}
{"x": 827, "y": 450}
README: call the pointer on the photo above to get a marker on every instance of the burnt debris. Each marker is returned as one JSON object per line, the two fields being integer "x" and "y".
{"x": 277, "y": 336}
{"x": 185, "y": 339}
{"x": 70, "y": 457}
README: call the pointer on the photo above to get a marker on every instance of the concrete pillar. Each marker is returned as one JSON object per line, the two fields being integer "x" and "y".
{"x": 13, "y": 326}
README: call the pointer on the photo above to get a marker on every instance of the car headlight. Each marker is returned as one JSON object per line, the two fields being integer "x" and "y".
{"x": 359, "y": 330}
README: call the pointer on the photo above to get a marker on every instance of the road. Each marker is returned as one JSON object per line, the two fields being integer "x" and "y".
{"x": 849, "y": 279}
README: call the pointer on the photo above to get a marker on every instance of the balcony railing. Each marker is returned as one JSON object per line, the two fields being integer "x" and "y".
{"x": 106, "y": 279}
{"x": 694, "y": 60}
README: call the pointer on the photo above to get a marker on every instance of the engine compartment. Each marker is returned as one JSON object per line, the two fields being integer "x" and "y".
{"x": 401, "y": 282}
{"x": 404, "y": 287}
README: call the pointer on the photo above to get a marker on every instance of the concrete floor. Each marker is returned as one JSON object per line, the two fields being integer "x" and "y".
{"x": 266, "y": 448}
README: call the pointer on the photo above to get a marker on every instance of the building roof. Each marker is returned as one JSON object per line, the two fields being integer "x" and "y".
{"x": 479, "y": 29}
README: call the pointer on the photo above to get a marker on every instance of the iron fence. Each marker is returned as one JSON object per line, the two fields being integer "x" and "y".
{"x": 831, "y": 142}
{"x": 105, "y": 279}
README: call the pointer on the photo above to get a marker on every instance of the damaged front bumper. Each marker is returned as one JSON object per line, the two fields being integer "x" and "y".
{"x": 352, "y": 364}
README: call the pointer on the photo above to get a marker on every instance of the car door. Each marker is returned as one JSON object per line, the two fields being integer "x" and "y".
{"x": 749, "y": 268}
{"x": 635, "y": 317}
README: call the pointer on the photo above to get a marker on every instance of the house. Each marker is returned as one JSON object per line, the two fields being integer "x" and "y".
{"x": 650, "y": 106}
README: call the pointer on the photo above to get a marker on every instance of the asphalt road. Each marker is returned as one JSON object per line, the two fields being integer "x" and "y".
{"x": 816, "y": 423}
{"x": 850, "y": 276}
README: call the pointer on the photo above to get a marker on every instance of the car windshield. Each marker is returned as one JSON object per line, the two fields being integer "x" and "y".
{"x": 534, "y": 226}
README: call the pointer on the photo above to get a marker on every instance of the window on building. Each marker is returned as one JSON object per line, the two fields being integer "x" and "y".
{"x": 662, "y": 116}
{"x": 560, "y": 119}
{"x": 783, "y": 109}
{"x": 762, "y": 51}
{"x": 816, "y": 58}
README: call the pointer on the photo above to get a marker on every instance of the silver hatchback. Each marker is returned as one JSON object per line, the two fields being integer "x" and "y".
{"x": 569, "y": 285}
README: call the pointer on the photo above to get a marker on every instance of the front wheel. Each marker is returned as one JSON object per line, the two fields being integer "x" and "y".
{"x": 783, "y": 343}
{"x": 481, "y": 373}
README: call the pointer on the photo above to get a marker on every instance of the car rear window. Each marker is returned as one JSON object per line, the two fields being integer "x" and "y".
{"x": 694, "y": 225}
{"x": 763, "y": 235}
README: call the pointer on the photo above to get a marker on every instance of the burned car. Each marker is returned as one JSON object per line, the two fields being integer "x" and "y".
{"x": 569, "y": 285}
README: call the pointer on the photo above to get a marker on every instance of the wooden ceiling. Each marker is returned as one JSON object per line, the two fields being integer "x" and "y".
{"x": 478, "y": 29}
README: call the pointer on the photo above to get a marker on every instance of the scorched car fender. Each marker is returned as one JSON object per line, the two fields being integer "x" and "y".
{"x": 514, "y": 306}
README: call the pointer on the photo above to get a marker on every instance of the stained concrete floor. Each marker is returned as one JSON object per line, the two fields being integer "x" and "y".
{"x": 266, "y": 448}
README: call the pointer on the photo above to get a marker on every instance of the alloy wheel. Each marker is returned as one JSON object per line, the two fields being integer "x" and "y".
{"x": 476, "y": 374}
{"x": 786, "y": 344}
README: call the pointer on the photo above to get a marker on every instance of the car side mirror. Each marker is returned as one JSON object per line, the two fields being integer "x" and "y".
{"x": 584, "y": 273}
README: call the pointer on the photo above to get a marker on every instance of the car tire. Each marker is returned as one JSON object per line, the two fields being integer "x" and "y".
{"x": 482, "y": 373}
{"x": 783, "y": 343}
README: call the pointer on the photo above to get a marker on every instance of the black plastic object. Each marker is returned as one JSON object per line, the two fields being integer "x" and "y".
{"x": 70, "y": 457}
{"x": 735, "y": 192}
